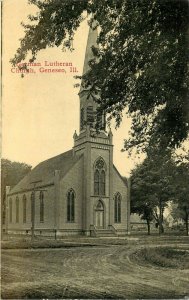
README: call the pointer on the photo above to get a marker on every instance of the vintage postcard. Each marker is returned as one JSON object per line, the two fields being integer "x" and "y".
{"x": 81, "y": 218}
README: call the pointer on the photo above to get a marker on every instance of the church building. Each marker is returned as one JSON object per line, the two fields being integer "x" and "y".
{"x": 79, "y": 192}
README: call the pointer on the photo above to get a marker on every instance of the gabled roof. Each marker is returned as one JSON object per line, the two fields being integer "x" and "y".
{"x": 45, "y": 171}
{"x": 124, "y": 179}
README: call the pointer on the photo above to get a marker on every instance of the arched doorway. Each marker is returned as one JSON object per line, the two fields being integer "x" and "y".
{"x": 99, "y": 215}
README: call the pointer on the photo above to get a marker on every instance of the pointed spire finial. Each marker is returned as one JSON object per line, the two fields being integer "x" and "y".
{"x": 110, "y": 135}
{"x": 91, "y": 41}
{"x": 75, "y": 135}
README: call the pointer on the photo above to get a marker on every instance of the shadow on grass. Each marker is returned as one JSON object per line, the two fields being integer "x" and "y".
{"x": 57, "y": 292}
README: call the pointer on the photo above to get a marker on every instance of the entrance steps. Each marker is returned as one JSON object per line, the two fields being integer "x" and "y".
{"x": 107, "y": 232}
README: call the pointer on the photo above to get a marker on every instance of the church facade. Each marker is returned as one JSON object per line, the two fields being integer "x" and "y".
{"x": 79, "y": 192}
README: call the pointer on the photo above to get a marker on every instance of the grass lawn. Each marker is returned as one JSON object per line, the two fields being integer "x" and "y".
{"x": 134, "y": 267}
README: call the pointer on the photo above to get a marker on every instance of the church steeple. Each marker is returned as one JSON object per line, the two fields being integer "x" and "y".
{"x": 91, "y": 41}
{"x": 88, "y": 107}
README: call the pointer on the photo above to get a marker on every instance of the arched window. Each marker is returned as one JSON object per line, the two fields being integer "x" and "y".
{"x": 41, "y": 213}
{"x": 71, "y": 206}
{"x": 96, "y": 182}
{"x": 90, "y": 115}
{"x": 24, "y": 209}
{"x": 32, "y": 205}
{"x": 10, "y": 210}
{"x": 17, "y": 209}
{"x": 117, "y": 208}
{"x": 101, "y": 120}
{"x": 100, "y": 178}
{"x": 102, "y": 183}
{"x": 100, "y": 205}
{"x": 82, "y": 119}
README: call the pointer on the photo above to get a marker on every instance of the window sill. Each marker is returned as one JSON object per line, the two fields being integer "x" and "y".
{"x": 102, "y": 196}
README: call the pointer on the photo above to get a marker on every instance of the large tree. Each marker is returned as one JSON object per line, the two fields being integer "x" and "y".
{"x": 181, "y": 177}
{"x": 11, "y": 174}
{"x": 141, "y": 201}
{"x": 140, "y": 63}
{"x": 152, "y": 187}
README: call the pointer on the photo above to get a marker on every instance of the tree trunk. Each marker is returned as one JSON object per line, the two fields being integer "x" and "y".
{"x": 186, "y": 222}
{"x": 161, "y": 229}
{"x": 148, "y": 224}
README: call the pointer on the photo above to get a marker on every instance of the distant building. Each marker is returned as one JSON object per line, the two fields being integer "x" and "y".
{"x": 77, "y": 192}
{"x": 173, "y": 222}
{"x": 136, "y": 222}
{"x": 171, "y": 219}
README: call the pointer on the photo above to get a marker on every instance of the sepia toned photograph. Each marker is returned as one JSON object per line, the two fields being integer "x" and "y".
{"x": 95, "y": 149}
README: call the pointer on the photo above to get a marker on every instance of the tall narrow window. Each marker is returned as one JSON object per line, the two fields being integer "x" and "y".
{"x": 10, "y": 210}
{"x": 17, "y": 209}
{"x": 100, "y": 178}
{"x": 101, "y": 120}
{"x": 117, "y": 208}
{"x": 32, "y": 205}
{"x": 41, "y": 198}
{"x": 82, "y": 119}
{"x": 90, "y": 115}
{"x": 102, "y": 183}
{"x": 96, "y": 182}
{"x": 71, "y": 206}
{"x": 24, "y": 209}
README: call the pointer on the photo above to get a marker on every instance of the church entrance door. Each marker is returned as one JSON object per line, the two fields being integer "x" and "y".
{"x": 99, "y": 215}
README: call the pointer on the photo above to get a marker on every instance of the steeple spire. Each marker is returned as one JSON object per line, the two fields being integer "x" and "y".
{"x": 91, "y": 41}
{"x": 88, "y": 107}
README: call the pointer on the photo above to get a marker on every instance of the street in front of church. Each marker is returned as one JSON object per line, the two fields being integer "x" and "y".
{"x": 135, "y": 267}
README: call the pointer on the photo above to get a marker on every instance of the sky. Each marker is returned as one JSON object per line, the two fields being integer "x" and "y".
{"x": 40, "y": 112}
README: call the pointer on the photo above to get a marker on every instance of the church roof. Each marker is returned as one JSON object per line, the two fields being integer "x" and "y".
{"x": 124, "y": 179}
{"x": 45, "y": 171}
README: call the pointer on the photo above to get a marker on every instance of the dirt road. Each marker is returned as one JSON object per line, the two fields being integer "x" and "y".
{"x": 102, "y": 271}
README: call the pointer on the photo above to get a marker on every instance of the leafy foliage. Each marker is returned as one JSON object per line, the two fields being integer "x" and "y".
{"x": 140, "y": 62}
{"x": 182, "y": 189}
{"x": 11, "y": 174}
{"x": 161, "y": 178}
{"x": 152, "y": 187}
